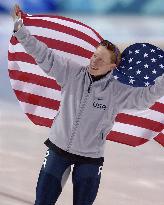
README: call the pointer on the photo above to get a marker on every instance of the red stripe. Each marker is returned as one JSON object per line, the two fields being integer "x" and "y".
{"x": 125, "y": 139}
{"x": 40, "y": 120}
{"x": 37, "y": 100}
{"x": 140, "y": 122}
{"x": 60, "y": 28}
{"x": 62, "y": 46}
{"x": 66, "y": 47}
{"x": 66, "y": 19}
{"x": 13, "y": 40}
{"x": 20, "y": 56}
{"x": 159, "y": 107}
{"x": 34, "y": 79}
{"x": 160, "y": 139}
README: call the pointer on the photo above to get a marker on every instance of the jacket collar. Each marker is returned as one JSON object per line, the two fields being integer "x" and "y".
{"x": 103, "y": 81}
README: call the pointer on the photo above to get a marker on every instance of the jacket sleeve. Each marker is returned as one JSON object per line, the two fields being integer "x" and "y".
{"x": 139, "y": 98}
{"x": 54, "y": 65}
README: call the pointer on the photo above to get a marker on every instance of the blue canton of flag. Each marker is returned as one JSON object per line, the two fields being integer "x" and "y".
{"x": 141, "y": 64}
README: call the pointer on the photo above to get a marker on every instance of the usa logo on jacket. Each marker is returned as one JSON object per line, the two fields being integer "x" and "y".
{"x": 98, "y": 104}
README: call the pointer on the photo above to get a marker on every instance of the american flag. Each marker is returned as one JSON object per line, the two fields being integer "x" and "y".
{"x": 39, "y": 94}
{"x": 141, "y": 64}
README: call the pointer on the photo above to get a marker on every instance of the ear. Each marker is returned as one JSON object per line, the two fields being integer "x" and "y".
{"x": 113, "y": 66}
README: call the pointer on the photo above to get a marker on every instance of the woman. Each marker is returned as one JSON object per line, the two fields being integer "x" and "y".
{"x": 91, "y": 99}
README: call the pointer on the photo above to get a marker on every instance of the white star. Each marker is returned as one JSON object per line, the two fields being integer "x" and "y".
{"x": 146, "y": 65}
{"x": 130, "y": 60}
{"x": 123, "y": 66}
{"x": 137, "y": 51}
{"x": 116, "y": 77}
{"x": 138, "y": 71}
{"x": 131, "y": 81}
{"x": 130, "y": 52}
{"x": 147, "y": 83}
{"x": 152, "y": 50}
{"x": 144, "y": 45}
{"x": 154, "y": 71}
{"x": 162, "y": 66}
{"x": 160, "y": 56}
{"x": 123, "y": 59}
{"x": 138, "y": 62}
{"x": 130, "y": 68}
{"x": 145, "y": 55}
{"x": 146, "y": 77}
{"x": 131, "y": 76}
{"x": 153, "y": 60}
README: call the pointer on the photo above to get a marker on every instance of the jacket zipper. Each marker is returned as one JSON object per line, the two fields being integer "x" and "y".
{"x": 102, "y": 135}
{"x": 78, "y": 117}
{"x": 89, "y": 88}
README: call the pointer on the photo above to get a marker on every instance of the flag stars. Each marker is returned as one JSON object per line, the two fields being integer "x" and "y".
{"x": 137, "y": 51}
{"x": 146, "y": 65}
{"x": 147, "y": 83}
{"x": 145, "y": 55}
{"x": 116, "y": 77}
{"x": 138, "y": 62}
{"x": 153, "y": 60}
{"x": 162, "y": 66}
{"x": 152, "y": 51}
{"x": 131, "y": 81}
{"x": 154, "y": 71}
{"x": 130, "y": 60}
{"x": 138, "y": 59}
{"x": 146, "y": 77}
{"x": 138, "y": 72}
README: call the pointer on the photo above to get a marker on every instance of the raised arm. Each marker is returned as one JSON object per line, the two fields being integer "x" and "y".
{"x": 139, "y": 98}
{"x": 54, "y": 65}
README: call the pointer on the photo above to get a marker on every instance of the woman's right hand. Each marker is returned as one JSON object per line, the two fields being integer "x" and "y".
{"x": 16, "y": 15}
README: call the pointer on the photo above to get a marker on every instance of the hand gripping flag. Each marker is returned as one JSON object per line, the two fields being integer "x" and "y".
{"x": 39, "y": 94}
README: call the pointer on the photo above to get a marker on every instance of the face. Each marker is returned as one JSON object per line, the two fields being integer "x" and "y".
{"x": 100, "y": 62}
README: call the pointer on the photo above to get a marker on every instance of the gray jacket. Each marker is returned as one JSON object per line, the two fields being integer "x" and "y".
{"x": 88, "y": 109}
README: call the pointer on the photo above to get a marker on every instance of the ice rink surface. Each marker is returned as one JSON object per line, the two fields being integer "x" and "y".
{"x": 130, "y": 176}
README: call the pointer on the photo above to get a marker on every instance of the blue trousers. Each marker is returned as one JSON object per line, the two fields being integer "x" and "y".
{"x": 54, "y": 174}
